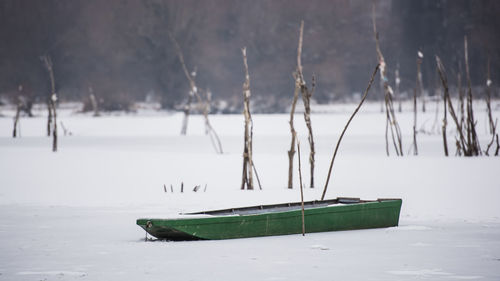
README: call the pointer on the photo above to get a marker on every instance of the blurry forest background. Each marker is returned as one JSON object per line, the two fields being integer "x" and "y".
{"x": 121, "y": 48}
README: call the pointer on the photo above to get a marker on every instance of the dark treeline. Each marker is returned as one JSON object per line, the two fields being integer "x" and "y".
{"x": 121, "y": 48}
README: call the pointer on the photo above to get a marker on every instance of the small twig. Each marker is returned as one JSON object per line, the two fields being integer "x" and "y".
{"x": 345, "y": 128}
{"x": 182, "y": 187}
{"x": 165, "y": 188}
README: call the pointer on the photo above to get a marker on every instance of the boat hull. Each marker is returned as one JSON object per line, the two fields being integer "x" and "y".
{"x": 363, "y": 215}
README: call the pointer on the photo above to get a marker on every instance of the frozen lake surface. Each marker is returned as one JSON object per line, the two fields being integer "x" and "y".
{"x": 71, "y": 215}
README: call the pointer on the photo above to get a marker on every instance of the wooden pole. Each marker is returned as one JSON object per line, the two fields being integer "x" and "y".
{"x": 247, "y": 178}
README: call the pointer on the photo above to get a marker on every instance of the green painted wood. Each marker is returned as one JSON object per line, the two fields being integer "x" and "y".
{"x": 363, "y": 215}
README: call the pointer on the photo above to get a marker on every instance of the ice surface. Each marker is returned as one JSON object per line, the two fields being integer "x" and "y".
{"x": 71, "y": 215}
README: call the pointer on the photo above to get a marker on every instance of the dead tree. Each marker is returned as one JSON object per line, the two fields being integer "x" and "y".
{"x": 306, "y": 99}
{"x": 470, "y": 124}
{"x": 446, "y": 100}
{"x": 194, "y": 92}
{"x": 16, "y": 118}
{"x": 93, "y": 102}
{"x": 52, "y": 99}
{"x": 248, "y": 164}
{"x": 345, "y": 129}
{"x": 47, "y": 62}
{"x": 492, "y": 125}
{"x": 391, "y": 121}
{"x": 465, "y": 145}
{"x": 298, "y": 85}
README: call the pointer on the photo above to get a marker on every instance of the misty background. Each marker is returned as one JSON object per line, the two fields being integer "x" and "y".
{"x": 121, "y": 48}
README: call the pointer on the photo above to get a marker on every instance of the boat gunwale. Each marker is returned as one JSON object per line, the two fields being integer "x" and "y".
{"x": 319, "y": 203}
{"x": 215, "y": 219}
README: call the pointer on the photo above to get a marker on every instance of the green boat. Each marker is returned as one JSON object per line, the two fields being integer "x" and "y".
{"x": 279, "y": 219}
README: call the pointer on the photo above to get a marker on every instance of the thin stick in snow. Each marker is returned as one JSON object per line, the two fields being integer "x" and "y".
{"x": 345, "y": 128}
{"x": 301, "y": 189}
{"x": 52, "y": 99}
{"x": 16, "y": 118}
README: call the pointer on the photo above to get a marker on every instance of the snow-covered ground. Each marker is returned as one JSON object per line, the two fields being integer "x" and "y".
{"x": 71, "y": 215}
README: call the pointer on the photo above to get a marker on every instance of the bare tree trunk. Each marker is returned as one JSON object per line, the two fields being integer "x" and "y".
{"x": 498, "y": 146}
{"x": 51, "y": 102}
{"x": 306, "y": 98}
{"x": 298, "y": 85}
{"x": 16, "y": 118}
{"x": 472, "y": 139}
{"x": 54, "y": 129}
{"x": 345, "y": 129}
{"x": 389, "y": 109}
{"x": 446, "y": 98}
{"x": 247, "y": 179}
{"x": 93, "y": 101}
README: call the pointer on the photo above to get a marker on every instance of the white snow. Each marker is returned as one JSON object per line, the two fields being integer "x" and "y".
{"x": 71, "y": 215}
